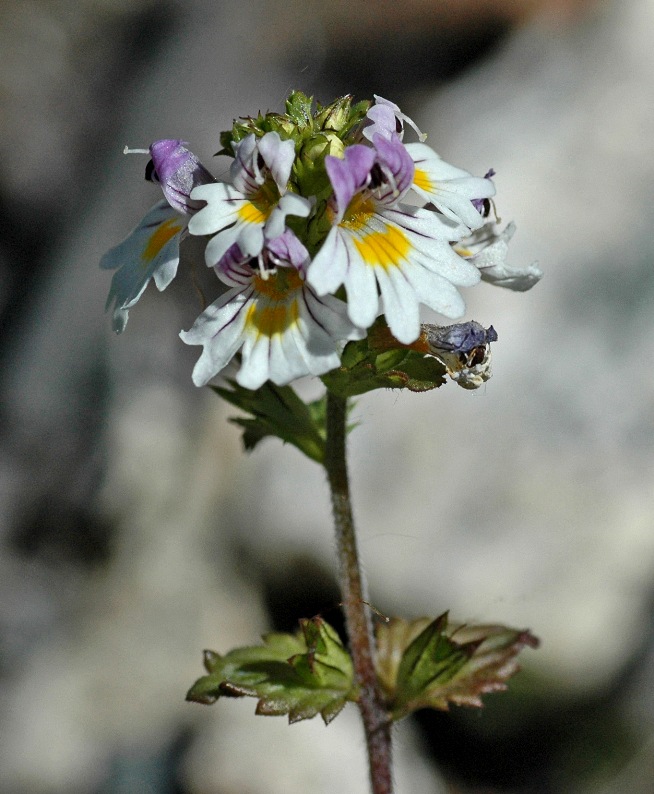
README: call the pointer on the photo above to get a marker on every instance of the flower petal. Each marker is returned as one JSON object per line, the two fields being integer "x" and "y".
{"x": 492, "y": 264}
{"x": 151, "y": 250}
{"x": 178, "y": 171}
{"x": 219, "y": 329}
{"x": 452, "y": 190}
{"x": 350, "y": 174}
{"x": 278, "y": 155}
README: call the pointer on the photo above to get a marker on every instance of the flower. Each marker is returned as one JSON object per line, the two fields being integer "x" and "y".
{"x": 451, "y": 190}
{"x": 377, "y": 243}
{"x": 464, "y": 348}
{"x": 255, "y": 205}
{"x": 487, "y": 250}
{"x": 386, "y": 119}
{"x": 151, "y": 250}
{"x": 283, "y": 329}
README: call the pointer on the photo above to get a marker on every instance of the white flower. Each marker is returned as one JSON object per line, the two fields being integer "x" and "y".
{"x": 151, "y": 251}
{"x": 255, "y": 205}
{"x": 282, "y": 328}
{"x": 378, "y": 245}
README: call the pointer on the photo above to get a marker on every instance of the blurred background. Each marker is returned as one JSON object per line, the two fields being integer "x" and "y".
{"x": 134, "y": 532}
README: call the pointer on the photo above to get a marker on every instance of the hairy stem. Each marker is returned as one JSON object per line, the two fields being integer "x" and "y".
{"x": 357, "y": 613}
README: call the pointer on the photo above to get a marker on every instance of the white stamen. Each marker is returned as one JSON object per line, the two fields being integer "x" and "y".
{"x": 262, "y": 268}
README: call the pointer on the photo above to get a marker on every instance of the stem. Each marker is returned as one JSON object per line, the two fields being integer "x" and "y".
{"x": 357, "y": 613}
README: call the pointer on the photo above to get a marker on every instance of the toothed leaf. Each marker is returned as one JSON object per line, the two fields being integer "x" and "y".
{"x": 300, "y": 675}
{"x": 431, "y": 663}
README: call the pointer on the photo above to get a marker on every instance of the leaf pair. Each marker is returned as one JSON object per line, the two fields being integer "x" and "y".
{"x": 422, "y": 663}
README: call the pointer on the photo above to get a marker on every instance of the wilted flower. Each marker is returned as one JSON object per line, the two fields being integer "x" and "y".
{"x": 464, "y": 348}
{"x": 487, "y": 250}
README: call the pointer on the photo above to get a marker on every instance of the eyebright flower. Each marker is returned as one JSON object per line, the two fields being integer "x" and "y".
{"x": 379, "y": 244}
{"x": 487, "y": 250}
{"x": 283, "y": 329}
{"x": 151, "y": 250}
{"x": 256, "y": 203}
{"x": 386, "y": 119}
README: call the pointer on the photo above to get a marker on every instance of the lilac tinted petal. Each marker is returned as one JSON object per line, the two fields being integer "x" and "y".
{"x": 349, "y": 175}
{"x": 380, "y": 114}
{"x": 178, "y": 171}
{"x": 289, "y": 250}
{"x": 381, "y": 121}
{"x": 244, "y": 170}
{"x": 278, "y": 155}
{"x": 233, "y": 267}
{"x": 151, "y": 250}
{"x": 393, "y": 158}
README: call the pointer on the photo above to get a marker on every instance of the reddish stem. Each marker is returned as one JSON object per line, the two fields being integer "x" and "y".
{"x": 358, "y": 621}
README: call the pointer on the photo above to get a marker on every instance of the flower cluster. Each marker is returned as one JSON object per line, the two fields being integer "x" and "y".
{"x": 329, "y": 221}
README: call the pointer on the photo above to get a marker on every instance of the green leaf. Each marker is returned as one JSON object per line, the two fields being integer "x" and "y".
{"x": 365, "y": 366}
{"x": 300, "y": 675}
{"x": 428, "y": 663}
{"x": 278, "y": 411}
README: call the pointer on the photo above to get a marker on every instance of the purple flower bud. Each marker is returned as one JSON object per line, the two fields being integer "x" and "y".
{"x": 178, "y": 171}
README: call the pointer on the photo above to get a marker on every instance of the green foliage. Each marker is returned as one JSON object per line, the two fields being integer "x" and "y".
{"x": 301, "y": 675}
{"x": 278, "y": 411}
{"x": 428, "y": 663}
{"x": 376, "y": 362}
{"x": 365, "y": 367}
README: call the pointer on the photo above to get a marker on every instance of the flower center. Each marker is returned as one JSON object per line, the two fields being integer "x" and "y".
{"x": 358, "y": 212}
{"x": 280, "y": 311}
{"x": 279, "y": 284}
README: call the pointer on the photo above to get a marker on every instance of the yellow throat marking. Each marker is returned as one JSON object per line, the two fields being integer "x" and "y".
{"x": 159, "y": 237}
